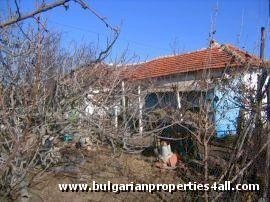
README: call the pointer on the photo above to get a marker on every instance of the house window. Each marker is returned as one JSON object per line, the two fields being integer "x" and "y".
{"x": 161, "y": 100}
{"x": 167, "y": 100}
{"x": 151, "y": 101}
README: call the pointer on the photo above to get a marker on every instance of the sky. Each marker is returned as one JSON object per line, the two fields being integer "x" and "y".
{"x": 155, "y": 28}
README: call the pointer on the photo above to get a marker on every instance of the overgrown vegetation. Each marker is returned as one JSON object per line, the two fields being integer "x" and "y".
{"x": 55, "y": 103}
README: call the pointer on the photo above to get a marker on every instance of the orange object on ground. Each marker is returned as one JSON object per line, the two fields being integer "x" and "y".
{"x": 172, "y": 162}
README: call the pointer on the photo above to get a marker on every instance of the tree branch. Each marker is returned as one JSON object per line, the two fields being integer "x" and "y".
{"x": 41, "y": 9}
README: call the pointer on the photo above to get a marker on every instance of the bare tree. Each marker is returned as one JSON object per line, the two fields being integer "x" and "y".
{"x": 38, "y": 96}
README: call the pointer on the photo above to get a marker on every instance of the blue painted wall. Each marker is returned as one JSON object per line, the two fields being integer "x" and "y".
{"x": 227, "y": 112}
{"x": 225, "y": 106}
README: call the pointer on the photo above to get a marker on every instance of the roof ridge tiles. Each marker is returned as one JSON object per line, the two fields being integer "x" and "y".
{"x": 214, "y": 57}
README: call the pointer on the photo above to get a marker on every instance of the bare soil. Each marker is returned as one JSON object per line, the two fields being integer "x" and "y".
{"x": 103, "y": 165}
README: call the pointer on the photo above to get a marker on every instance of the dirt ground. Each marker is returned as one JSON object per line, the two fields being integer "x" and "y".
{"x": 101, "y": 166}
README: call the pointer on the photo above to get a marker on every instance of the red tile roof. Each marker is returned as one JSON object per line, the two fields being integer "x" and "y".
{"x": 217, "y": 57}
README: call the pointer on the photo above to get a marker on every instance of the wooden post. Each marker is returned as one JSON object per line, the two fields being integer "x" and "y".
{"x": 123, "y": 94}
{"x": 178, "y": 99}
{"x": 264, "y": 77}
{"x": 261, "y": 78}
{"x": 125, "y": 138}
{"x": 140, "y": 111}
{"x": 116, "y": 116}
{"x": 262, "y": 47}
{"x": 123, "y": 101}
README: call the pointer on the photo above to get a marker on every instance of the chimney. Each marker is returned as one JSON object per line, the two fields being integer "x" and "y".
{"x": 213, "y": 44}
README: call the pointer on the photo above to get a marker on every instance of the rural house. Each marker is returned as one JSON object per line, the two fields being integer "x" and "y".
{"x": 187, "y": 80}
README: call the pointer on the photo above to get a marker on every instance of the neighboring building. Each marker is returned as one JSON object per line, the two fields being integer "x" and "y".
{"x": 183, "y": 80}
